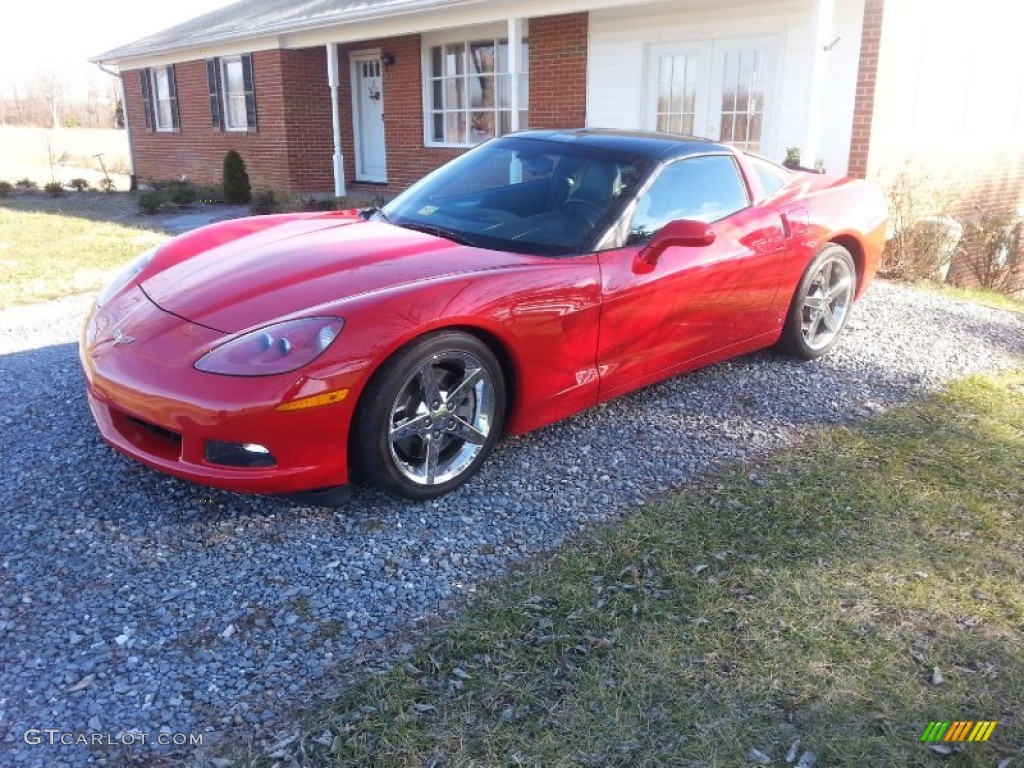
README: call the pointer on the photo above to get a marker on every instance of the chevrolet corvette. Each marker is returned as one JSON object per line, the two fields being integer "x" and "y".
{"x": 535, "y": 276}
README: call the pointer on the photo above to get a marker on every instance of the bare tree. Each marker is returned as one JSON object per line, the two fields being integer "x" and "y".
{"x": 49, "y": 86}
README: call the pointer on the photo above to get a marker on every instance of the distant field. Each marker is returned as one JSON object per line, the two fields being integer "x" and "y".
{"x": 24, "y": 154}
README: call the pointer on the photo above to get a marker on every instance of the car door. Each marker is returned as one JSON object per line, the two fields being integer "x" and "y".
{"x": 692, "y": 302}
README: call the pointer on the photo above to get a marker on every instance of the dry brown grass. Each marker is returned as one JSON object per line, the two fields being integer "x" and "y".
{"x": 24, "y": 153}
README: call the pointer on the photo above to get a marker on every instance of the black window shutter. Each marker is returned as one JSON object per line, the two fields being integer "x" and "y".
{"x": 250, "y": 91}
{"x": 213, "y": 81}
{"x": 172, "y": 86}
{"x": 147, "y": 100}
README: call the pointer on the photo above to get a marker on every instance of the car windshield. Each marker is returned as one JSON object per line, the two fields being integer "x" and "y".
{"x": 523, "y": 194}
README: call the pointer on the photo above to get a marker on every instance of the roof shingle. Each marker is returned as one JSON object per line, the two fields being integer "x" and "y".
{"x": 255, "y": 18}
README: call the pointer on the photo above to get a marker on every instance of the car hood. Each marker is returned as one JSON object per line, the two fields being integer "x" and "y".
{"x": 302, "y": 264}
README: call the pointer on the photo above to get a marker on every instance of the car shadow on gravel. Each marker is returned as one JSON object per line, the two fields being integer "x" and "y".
{"x": 134, "y": 600}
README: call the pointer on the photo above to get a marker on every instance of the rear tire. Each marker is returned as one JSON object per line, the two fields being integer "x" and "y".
{"x": 821, "y": 305}
{"x": 430, "y": 416}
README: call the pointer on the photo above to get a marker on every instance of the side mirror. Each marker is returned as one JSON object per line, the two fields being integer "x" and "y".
{"x": 681, "y": 233}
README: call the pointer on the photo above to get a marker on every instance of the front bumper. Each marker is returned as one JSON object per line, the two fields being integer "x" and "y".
{"x": 152, "y": 405}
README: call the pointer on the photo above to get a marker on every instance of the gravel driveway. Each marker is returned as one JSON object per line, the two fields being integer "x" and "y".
{"x": 134, "y": 602}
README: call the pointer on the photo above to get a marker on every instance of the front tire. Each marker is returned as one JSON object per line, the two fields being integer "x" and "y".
{"x": 430, "y": 416}
{"x": 821, "y": 304}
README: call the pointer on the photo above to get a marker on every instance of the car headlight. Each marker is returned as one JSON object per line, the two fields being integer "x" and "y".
{"x": 120, "y": 280}
{"x": 278, "y": 348}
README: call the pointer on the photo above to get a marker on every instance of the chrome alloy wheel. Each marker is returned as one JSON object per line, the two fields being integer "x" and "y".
{"x": 826, "y": 303}
{"x": 441, "y": 418}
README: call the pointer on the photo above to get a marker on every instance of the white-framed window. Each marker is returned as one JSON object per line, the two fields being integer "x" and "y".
{"x": 232, "y": 87}
{"x": 468, "y": 86}
{"x": 231, "y": 75}
{"x": 162, "y": 105}
{"x": 160, "y": 98}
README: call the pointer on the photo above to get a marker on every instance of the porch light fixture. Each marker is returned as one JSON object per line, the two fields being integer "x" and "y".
{"x": 387, "y": 59}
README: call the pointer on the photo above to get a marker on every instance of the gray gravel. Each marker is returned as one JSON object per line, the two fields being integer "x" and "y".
{"x": 136, "y": 603}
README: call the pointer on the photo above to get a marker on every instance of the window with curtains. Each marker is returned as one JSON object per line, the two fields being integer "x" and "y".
{"x": 232, "y": 87}
{"x": 160, "y": 98}
{"x": 469, "y": 91}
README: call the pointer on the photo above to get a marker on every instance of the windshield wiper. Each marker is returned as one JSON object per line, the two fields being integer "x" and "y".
{"x": 369, "y": 213}
{"x": 447, "y": 234}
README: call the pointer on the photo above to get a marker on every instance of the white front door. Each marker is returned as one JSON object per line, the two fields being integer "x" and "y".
{"x": 368, "y": 110}
{"x": 719, "y": 89}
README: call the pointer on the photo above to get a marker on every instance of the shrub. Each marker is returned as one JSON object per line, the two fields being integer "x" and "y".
{"x": 210, "y": 193}
{"x": 26, "y": 183}
{"x": 237, "y": 189}
{"x": 54, "y": 189}
{"x": 5, "y": 188}
{"x": 991, "y": 249}
{"x": 181, "y": 193}
{"x": 79, "y": 185}
{"x": 917, "y": 250}
{"x": 266, "y": 202}
{"x": 318, "y": 204}
{"x": 149, "y": 201}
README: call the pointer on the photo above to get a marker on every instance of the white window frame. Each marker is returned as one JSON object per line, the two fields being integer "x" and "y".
{"x": 497, "y": 33}
{"x": 711, "y": 52}
{"x": 226, "y": 95}
{"x": 156, "y": 99}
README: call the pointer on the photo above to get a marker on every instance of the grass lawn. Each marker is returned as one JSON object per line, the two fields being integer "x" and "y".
{"x": 981, "y": 296}
{"x": 844, "y": 594}
{"x": 47, "y": 255}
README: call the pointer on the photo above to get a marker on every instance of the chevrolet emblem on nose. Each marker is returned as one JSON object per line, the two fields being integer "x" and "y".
{"x": 120, "y": 337}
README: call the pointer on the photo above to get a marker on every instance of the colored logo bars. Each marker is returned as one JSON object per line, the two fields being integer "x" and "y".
{"x": 960, "y": 730}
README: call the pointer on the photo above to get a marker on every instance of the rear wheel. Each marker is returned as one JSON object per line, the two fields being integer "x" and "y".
{"x": 821, "y": 304}
{"x": 430, "y": 416}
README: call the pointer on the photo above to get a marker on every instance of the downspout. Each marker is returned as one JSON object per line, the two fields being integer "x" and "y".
{"x": 333, "y": 80}
{"x": 133, "y": 183}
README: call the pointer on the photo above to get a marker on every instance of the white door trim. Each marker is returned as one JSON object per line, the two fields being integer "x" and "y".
{"x": 355, "y": 59}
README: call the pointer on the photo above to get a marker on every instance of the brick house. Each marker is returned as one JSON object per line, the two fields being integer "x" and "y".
{"x": 327, "y": 95}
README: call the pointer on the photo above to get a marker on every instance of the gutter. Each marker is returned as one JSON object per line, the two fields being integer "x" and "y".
{"x": 133, "y": 182}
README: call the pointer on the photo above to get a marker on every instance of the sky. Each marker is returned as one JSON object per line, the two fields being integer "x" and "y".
{"x": 62, "y": 34}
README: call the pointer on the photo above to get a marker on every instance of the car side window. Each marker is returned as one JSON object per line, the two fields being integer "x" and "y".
{"x": 705, "y": 188}
{"x": 772, "y": 177}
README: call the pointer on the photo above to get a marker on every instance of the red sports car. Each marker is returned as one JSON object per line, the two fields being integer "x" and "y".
{"x": 537, "y": 275}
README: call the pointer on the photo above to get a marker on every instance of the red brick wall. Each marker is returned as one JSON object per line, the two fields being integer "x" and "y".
{"x": 308, "y": 122}
{"x": 864, "y": 106}
{"x": 558, "y": 87}
{"x": 558, "y": 71}
{"x": 293, "y": 148}
{"x": 953, "y": 130}
{"x": 408, "y": 159}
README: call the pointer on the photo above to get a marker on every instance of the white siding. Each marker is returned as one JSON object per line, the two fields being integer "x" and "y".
{"x": 620, "y": 40}
{"x": 842, "y": 64}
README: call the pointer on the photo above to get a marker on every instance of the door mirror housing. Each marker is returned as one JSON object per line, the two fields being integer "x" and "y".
{"x": 681, "y": 233}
